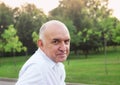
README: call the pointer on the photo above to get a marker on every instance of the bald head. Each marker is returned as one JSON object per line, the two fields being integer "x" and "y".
{"x": 51, "y": 26}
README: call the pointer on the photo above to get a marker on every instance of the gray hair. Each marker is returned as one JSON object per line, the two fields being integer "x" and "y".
{"x": 45, "y": 25}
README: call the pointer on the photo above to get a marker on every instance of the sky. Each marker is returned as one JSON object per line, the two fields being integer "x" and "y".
{"x": 115, "y": 5}
{"x": 48, "y": 5}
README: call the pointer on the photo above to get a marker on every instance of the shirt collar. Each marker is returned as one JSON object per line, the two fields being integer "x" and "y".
{"x": 47, "y": 59}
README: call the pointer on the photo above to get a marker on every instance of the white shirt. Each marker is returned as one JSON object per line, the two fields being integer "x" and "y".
{"x": 41, "y": 70}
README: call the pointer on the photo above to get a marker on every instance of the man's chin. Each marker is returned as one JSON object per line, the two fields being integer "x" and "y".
{"x": 62, "y": 60}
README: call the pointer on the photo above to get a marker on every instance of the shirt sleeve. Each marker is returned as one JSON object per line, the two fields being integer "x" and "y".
{"x": 31, "y": 75}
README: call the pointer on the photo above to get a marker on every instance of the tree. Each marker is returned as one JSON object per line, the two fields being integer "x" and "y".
{"x": 108, "y": 30}
{"x": 28, "y": 20}
{"x": 86, "y": 16}
{"x": 1, "y": 47}
{"x": 35, "y": 37}
{"x": 11, "y": 41}
{"x": 6, "y": 17}
{"x": 116, "y": 32}
{"x": 73, "y": 11}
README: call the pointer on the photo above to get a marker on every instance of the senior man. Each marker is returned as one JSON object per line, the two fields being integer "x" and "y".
{"x": 45, "y": 66}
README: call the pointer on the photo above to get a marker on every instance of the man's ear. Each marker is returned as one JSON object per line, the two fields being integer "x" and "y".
{"x": 40, "y": 43}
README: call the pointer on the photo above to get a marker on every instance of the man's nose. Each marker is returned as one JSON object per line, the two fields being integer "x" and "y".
{"x": 62, "y": 46}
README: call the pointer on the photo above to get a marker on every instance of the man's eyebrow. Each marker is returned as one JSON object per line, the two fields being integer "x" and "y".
{"x": 56, "y": 39}
{"x": 67, "y": 39}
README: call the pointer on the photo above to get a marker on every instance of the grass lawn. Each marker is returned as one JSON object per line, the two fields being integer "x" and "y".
{"x": 96, "y": 69}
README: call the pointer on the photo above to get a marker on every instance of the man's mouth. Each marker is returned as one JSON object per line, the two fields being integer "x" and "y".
{"x": 62, "y": 55}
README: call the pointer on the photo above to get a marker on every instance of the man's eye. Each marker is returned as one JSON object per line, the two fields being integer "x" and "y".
{"x": 55, "y": 42}
{"x": 67, "y": 42}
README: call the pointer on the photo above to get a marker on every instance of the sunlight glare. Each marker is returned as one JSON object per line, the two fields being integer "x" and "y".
{"x": 46, "y": 5}
{"x": 115, "y": 5}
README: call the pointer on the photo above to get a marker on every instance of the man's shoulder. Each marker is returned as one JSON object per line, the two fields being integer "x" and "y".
{"x": 61, "y": 64}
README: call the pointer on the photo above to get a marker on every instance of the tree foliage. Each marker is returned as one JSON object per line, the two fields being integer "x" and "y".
{"x": 91, "y": 20}
{"x": 29, "y": 20}
{"x": 6, "y": 17}
{"x": 116, "y": 31}
{"x": 11, "y": 41}
{"x": 35, "y": 37}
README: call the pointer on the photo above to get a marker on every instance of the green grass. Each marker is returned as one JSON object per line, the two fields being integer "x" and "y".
{"x": 10, "y": 66}
{"x": 93, "y": 70}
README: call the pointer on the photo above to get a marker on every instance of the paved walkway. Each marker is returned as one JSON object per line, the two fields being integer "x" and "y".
{"x": 9, "y": 81}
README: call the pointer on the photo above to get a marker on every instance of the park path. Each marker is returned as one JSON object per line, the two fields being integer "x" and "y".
{"x": 9, "y": 81}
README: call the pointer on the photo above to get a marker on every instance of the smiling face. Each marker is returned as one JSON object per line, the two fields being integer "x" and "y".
{"x": 56, "y": 44}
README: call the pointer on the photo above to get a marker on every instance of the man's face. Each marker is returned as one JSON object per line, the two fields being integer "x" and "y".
{"x": 57, "y": 43}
